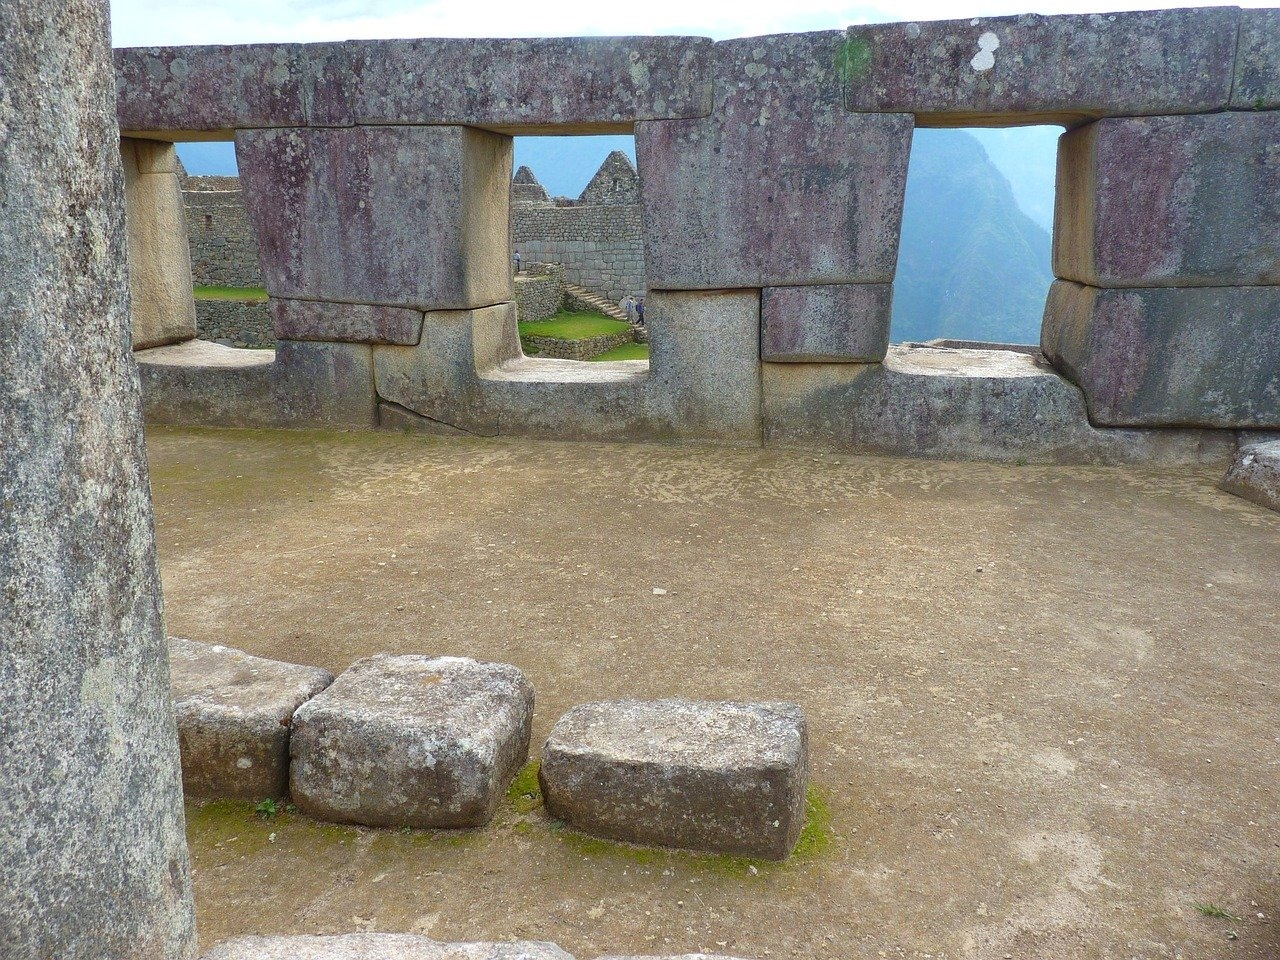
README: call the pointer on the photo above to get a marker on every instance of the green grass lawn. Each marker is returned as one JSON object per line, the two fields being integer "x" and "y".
{"x": 573, "y": 326}
{"x": 243, "y": 294}
{"x": 628, "y": 351}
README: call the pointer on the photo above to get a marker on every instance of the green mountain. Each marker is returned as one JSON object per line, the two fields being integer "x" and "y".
{"x": 971, "y": 265}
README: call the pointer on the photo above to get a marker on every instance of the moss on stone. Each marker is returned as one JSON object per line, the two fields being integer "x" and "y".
{"x": 853, "y": 59}
{"x": 524, "y": 793}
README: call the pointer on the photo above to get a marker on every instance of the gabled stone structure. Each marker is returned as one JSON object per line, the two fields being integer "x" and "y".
{"x": 770, "y": 209}
{"x": 616, "y": 182}
{"x": 525, "y": 188}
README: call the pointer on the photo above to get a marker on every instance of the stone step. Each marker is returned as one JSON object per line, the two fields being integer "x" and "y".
{"x": 605, "y": 306}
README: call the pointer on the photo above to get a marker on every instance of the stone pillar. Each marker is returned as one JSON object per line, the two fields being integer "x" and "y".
{"x": 164, "y": 310}
{"x": 93, "y": 862}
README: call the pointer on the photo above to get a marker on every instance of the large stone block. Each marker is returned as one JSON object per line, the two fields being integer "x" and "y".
{"x": 848, "y": 323}
{"x": 780, "y": 186}
{"x": 1257, "y": 79}
{"x": 1170, "y": 201}
{"x": 187, "y": 92}
{"x": 345, "y": 322}
{"x": 959, "y": 404}
{"x": 393, "y": 216}
{"x": 704, "y": 366}
{"x": 93, "y": 854}
{"x": 412, "y": 741}
{"x": 377, "y": 946}
{"x": 163, "y": 310}
{"x": 1036, "y": 69}
{"x": 1255, "y": 474}
{"x": 234, "y": 711}
{"x": 554, "y": 85}
{"x": 726, "y": 777}
{"x": 1187, "y": 356}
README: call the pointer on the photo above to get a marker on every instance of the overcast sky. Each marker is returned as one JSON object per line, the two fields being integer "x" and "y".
{"x": 161, "y": 22}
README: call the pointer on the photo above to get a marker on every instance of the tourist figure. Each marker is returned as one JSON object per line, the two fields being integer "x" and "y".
{"x": 628, "y": 305}
{"x": 518, "y": 261}
{"x": 640, "y": 312}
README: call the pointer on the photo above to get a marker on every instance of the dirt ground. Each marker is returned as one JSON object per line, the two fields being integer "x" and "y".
{"x": 1042, "y": 701}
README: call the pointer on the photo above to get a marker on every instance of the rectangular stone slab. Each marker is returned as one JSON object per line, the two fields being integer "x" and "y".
{"x": 846, "y": 323}
{"x": 411, "y": 741}
{"x": 780, "y": 186}
{"x": 1257, "y": 79}
{"x": 1027, "y": 69}
{"x": 1170, "y": 201}
{"x": 392, "y": 216}
{"x": 233, "y": 711}
{"x": 187, "y": 92}
{"x": 345, "y": 322}
{"x": 725, "y": 777}
{"x": 1255, "y": 474}
{"x": 376, "y": 946}
{"x": 554, "y": 85}
{"x": 163, "y": 310}
{"x": 1182, "y": 356}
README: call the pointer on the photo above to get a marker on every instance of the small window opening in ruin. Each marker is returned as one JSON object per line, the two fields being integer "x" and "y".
{"x": 228, "y": 286}
{"x": 577, "y": 248}
{"x": 974, "y": 264}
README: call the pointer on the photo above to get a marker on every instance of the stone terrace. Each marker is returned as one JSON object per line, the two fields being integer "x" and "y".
{"x": 1041, "y": 699}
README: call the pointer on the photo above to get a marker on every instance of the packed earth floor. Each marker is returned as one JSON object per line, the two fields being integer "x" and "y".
{"x": 1042, "y": 700}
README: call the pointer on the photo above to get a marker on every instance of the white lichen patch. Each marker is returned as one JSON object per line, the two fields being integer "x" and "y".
{"x": 985, "y": 58}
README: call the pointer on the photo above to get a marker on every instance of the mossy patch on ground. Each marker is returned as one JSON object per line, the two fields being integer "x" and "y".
{"x": 628, "y": 351}
{"x": 524, "y": 793}
{"x": 574, "y": 326}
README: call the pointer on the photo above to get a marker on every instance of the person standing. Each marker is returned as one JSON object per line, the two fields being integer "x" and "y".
{"x": 518, "y": 260}
{"x": 640, "y": 312}
{"x": 628, "y": 305}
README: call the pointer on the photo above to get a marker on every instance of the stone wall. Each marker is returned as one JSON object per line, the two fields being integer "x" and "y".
{"x": 766, "y": 236}
{"x": 235, "y": 323}
{"x": 539, "y": 291}
{"x": 583, "y": 349}
{"x": 600, "y": 245}
{"x": 224, "y": 252}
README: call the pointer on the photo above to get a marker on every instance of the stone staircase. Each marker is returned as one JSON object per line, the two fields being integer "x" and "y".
{"x": 594, "y": 301}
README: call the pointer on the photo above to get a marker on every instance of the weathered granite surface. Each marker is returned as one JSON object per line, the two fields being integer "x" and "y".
{"x": 299, "y": 384}
{"x": 1255, "y": 474}
{"x": 377, "y": 946}
{"x": 411, "y": 741}
{"x": 1170, "y": 201}
{"x": 93, "y": 856}
{"x": 159, "y": 260}
{"x": 233, "y": 711}
{"x": 961, "y": 404}
{"x": 683, "y": 956}
{"x": 1257, "y": 78}
{"x": 780, "y": 186}
{"x": 849, "y": 323}
{"x": 726, "y": 777}
{"x": 1037, "y": 69}
{"x": 345, "y": 322}
{"x": 395, "y": 216}
{"x": 573, "y": 85}
{"x": 1173, "y": 356}
{"x": 210, "y": 89}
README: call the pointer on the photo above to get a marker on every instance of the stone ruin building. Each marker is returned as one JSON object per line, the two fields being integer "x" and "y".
{"x": 770, "y": 201}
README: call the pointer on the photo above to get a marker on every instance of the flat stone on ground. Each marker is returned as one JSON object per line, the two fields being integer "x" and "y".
{"x": 1255, "y": 474}
{"x": 412, "y": 741}
{"x": 724, "y": 777}
{"x": 377, "y": 946}
{"x": 233, "y": 711}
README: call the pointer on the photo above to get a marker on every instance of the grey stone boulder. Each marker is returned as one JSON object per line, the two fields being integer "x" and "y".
{"x": 1032, "y": 68}
{"x": 1173, "y": 356}
{"x": 780, "y": 186}
{"x": 407, "y": 740}
{"x": 376, "y": 946}
{"x": 233, "y": 711}
{"x": 1170, "y": 201}
{"x": 844, "y": 323}
{"x": 722, "y": 777}
{"x": 345, "y": 322}
{"x": 1255, "y": 474}
{"x": 1257, "y": 81}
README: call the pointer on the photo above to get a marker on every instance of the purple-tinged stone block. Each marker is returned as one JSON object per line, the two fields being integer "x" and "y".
{"x": 1170, "y": 201}
{"x": 345, "y": 322}
{"x": 780, "y": 186}
{"x": 844, "y": 323}
{"x": 1036, "y": 69}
